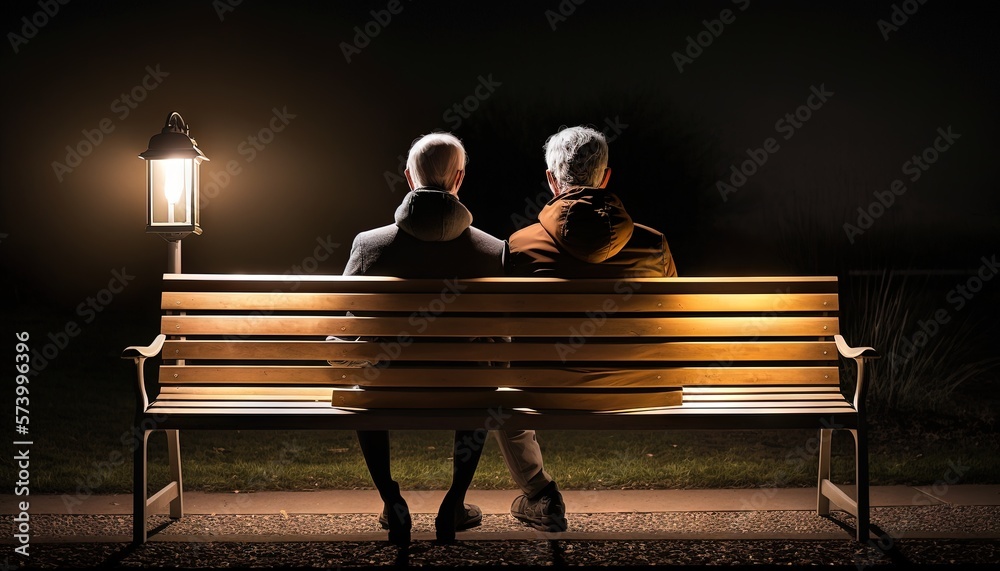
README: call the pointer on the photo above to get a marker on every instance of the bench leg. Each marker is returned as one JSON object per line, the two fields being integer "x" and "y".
{"x": 139, "y": 489}
{"x": 859, "y": 505}
{"x": 141, "y": 505}
{"x": 861, "y": 478}
{"x": 174, "y": 459}
{"x": 825, "y": 441}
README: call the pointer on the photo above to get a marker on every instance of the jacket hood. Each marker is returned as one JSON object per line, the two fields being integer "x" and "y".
{"x": 432, "y": 215}
{"x": 588, "y": 223}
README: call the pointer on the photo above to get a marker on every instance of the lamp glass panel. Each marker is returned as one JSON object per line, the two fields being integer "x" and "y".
{"x": 171, "y": 187}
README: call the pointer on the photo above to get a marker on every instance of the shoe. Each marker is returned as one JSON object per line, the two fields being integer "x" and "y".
{"x": 400, "y": 525}
{"x": 545, "y": 512}
{"x": 468, "y": 517}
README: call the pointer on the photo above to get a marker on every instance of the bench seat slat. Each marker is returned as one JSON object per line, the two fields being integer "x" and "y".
{"x": 691, "y": 398}
{"x": 770, "y": 389}
{"x": 497, "y": 302}
{"x": 262, "y": 394}
{"x": 395, "y": 327}
{"x": 495, "y": 376}
{"x": 715, "y": 418}
{"x": 595, "y": 351}
{"x": 403, "y": 399}
{"x": 537, "y": 400}
{"x": 324, "y": 408}
{"x": 290, "y": 392}
{"x": 609, "y": 286}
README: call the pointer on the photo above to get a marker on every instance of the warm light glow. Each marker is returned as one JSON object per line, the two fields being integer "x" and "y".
{"x": 173, "y": 180}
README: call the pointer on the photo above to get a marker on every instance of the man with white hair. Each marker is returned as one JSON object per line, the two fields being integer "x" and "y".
{"x": 583, "y": 232}
{"x": 432, "y": 237}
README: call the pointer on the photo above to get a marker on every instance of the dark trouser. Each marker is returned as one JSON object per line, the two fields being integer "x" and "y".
{"x": 466, "y": 453}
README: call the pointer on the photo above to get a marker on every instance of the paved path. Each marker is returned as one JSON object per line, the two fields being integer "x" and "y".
{"x": 498, "y": 501}
{"x": 946, "y": 525}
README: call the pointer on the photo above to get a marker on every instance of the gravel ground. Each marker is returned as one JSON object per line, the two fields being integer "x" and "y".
{"x": 747, "y": 539}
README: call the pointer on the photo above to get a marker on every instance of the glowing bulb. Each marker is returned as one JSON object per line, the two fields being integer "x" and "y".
{"x": 173, "y": 180}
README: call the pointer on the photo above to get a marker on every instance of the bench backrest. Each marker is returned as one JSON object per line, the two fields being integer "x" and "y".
{"x": 580, "y": 344}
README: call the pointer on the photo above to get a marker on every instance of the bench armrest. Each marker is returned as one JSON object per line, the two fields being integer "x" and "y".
{"x": 860, "y": 355}
{"x": 139, "y": 355}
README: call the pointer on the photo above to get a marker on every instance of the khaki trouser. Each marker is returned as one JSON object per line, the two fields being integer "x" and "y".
{"x": 524, "y": 459}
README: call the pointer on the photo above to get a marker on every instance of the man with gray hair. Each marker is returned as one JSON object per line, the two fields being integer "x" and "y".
{"x": 583, "y": 232}
{"x": 432, "y": 237}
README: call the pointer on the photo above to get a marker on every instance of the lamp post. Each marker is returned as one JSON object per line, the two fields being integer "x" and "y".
{"x": 172, "y": 178}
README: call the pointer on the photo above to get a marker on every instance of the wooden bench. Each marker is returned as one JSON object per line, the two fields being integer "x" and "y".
{"x": 249, "y": 352}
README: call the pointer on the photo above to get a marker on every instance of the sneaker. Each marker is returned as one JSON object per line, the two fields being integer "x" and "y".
{"x": 545, "y": 512}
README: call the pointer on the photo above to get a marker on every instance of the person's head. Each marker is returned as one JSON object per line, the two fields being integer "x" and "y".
{"x": 576, "y": 157}
{"x": 436, "y": 160}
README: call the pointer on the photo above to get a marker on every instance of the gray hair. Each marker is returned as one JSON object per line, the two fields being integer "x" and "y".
{"x": 435, "y": 158}
{"x": 577, "y": 156}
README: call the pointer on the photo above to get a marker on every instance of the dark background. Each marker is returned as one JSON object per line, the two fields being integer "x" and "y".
{"x": 324, "y": 177}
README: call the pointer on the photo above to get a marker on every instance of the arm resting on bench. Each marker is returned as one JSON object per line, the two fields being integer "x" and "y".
{"x": 139, "y": 355}
{"x": 859, "y": 354}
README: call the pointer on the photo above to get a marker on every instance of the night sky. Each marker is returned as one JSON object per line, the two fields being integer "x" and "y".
{"x": 269, "y": 93}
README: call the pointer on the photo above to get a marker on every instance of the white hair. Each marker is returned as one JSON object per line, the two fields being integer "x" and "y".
{"x": 435, "y": 158}
{"x": 577, "y": 157}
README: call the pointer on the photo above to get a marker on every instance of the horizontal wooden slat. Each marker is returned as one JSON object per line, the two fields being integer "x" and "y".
{"x": 727, "y": 405}
{"x": 241, "y": 403}
{"x": 402, "y": 327}
{"x": 534, "y": 399}
{"x": 168, "y": 391}
{"x": 797, "y": 396}
{"x": 436, "y": 303}
{"x": 753, "y": 390}
{"x": 736, "y": 393}
{"x": 715, "y": 351}
{"x": 372, "y": 284}
{"x": 496, "y": 376}
{"x": 678, "y": 417}
{"x": 718, "y": 413}
{"x": 265, "y": 408}
{"x": 250, "y": 395}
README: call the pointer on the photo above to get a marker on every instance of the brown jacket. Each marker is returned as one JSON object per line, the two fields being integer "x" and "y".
{"x": 586, "y": 233}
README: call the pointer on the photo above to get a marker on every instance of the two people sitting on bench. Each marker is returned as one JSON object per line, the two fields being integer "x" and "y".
{"x": 583, "y": 231}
